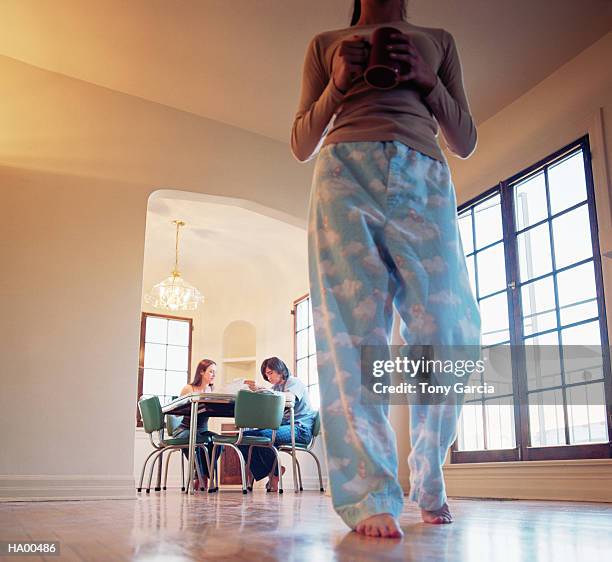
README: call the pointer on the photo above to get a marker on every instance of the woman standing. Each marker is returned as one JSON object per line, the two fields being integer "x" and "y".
{"x": 203, "y": 381}
{"x": 383, "y": 233}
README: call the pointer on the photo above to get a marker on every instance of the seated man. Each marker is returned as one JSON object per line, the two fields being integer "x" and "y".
{"x": 276, "y": 372}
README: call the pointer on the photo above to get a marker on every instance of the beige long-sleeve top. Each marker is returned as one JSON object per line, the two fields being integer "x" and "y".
{"x": 326, "y": 115}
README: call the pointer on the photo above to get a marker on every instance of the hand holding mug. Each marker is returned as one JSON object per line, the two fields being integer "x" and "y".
{"x": 349, "y": 62}
{"x": 403, "y": 49}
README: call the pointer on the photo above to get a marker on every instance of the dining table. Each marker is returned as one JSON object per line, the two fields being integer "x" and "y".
{"x": 217, "y": 405}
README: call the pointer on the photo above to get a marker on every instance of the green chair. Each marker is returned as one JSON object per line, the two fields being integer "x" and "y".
{"x": 253, "y": 410}
{"x": 172, "y": 422}
{"x": 153, "y": 422}
{"x": 300, "y": 447}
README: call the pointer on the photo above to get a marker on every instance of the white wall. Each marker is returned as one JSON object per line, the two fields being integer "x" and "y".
{"x": 78, "y": 163}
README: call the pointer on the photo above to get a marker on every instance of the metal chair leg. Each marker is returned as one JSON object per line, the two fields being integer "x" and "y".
{"x": 242, "y": 465}
{"x": 299, "y": 470}
{"x": 321, "y": 489}
{"x": 208, "y": 466}
{"x": 249, "y": 488}
{"x": 216, "y": 462}
{"x": 182, "y": 472}
{"x": 166, "y": 469}
{"x": 144, "y": 466}
{"x": 159, "y": 472}
{"x": 199, "y": 473}
{"x": 153, "y": 462}
{"x": 215, "y": 469}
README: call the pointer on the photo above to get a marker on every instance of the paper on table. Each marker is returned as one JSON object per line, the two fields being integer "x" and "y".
{"x": 234, "y": 386}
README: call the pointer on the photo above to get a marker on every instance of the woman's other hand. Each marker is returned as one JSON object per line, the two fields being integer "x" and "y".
{"x": 420, "y": 74}
{"x": 252, "y": 385}
{"x": 349, "y": 62}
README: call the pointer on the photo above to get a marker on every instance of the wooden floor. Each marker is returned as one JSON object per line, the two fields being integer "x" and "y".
{"x": 264, "y": 527}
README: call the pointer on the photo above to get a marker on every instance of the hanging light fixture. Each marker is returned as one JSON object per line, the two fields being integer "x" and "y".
{"x": 174, "y": 293}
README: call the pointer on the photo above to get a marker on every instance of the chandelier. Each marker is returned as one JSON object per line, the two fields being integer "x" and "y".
{"x": 174, "y": 293}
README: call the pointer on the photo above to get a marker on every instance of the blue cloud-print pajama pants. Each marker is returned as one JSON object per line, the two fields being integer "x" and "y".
{"x": 383, "y": 233}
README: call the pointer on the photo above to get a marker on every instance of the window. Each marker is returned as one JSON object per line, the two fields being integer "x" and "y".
{"x": 532, "y": 252}
{"x": 305, "y": 355}
{"x": 165, "y": 356}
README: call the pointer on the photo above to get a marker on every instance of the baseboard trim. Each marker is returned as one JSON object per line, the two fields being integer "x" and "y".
{"x": 44, "y": 487}
{"x": 567, "y": 480}
{"x": 310, "y": 483}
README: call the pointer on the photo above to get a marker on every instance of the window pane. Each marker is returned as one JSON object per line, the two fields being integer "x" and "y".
{"x": 301, "y": 315}
{"x": 583, "y": 334}
{"x": 153, "y": 382}
{"x": 175, "y": 381}
{"x": 577, "y": 295}
{"x": 491, "y": 270}
{"x": 156, "y": 329}
{"x": 572, "y": 237}
{"x": 471, "y": 428}
{"x": 499, "y": 373}
{"x": 494, "y": 315}
{"x": 302, "y": 370}
{"x": 471, "y": 272}
{"x": 582, "y": 364}
{"x": 310, "y": 321}
{"x": 155, "y": 356}
{"x": 465, "y": 230}
{"x": 313, "y": 395}
{"x": 566, "y": 183}
{"x": 546, "y": 423}
{"x": 543, "y": 365}
{"x": 178, "y": 358}
{"x": 487, "y": 217}
{"x": 538, "y": 303}
{"x": 534, "y": 252}
{"x": 500, "y": 425}
{"x": 312, "y": 348}
{"x": 301, "y": 342}
{"x": 178, "y": 332}
{"x": 313, "y": 374}
{"x": 530, "y": 201}
{"x": 552, "y": 338}
{"x": 587, "y": 414}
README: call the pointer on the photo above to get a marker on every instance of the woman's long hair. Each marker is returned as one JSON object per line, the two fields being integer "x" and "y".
{"x": 357, "y": 11}
{"x": 200, "y": 370}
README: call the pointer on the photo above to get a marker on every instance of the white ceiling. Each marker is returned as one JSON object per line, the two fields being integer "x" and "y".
{"x": 240, "y": 61}
{"x": 221, "y": 242}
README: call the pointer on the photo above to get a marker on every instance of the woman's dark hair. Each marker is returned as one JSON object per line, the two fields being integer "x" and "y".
{"x": 357, "y": 11}
{"x": 275, "y": 364}
{"x": 200, "y": 370}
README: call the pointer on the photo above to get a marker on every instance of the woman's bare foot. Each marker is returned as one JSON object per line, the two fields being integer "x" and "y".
{"x": 380, "y": 525}
{"x": 204, "y": 482}
{"x": 273, "y": 481}
{"x": 439, "y": 516}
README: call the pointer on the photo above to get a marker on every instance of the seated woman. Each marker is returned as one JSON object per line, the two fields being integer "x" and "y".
{"x": 202, "y": 382}
{"x": 276, "y": 372}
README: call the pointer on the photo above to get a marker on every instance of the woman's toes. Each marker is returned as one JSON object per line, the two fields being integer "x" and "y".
{"x": 380, "y": 525}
